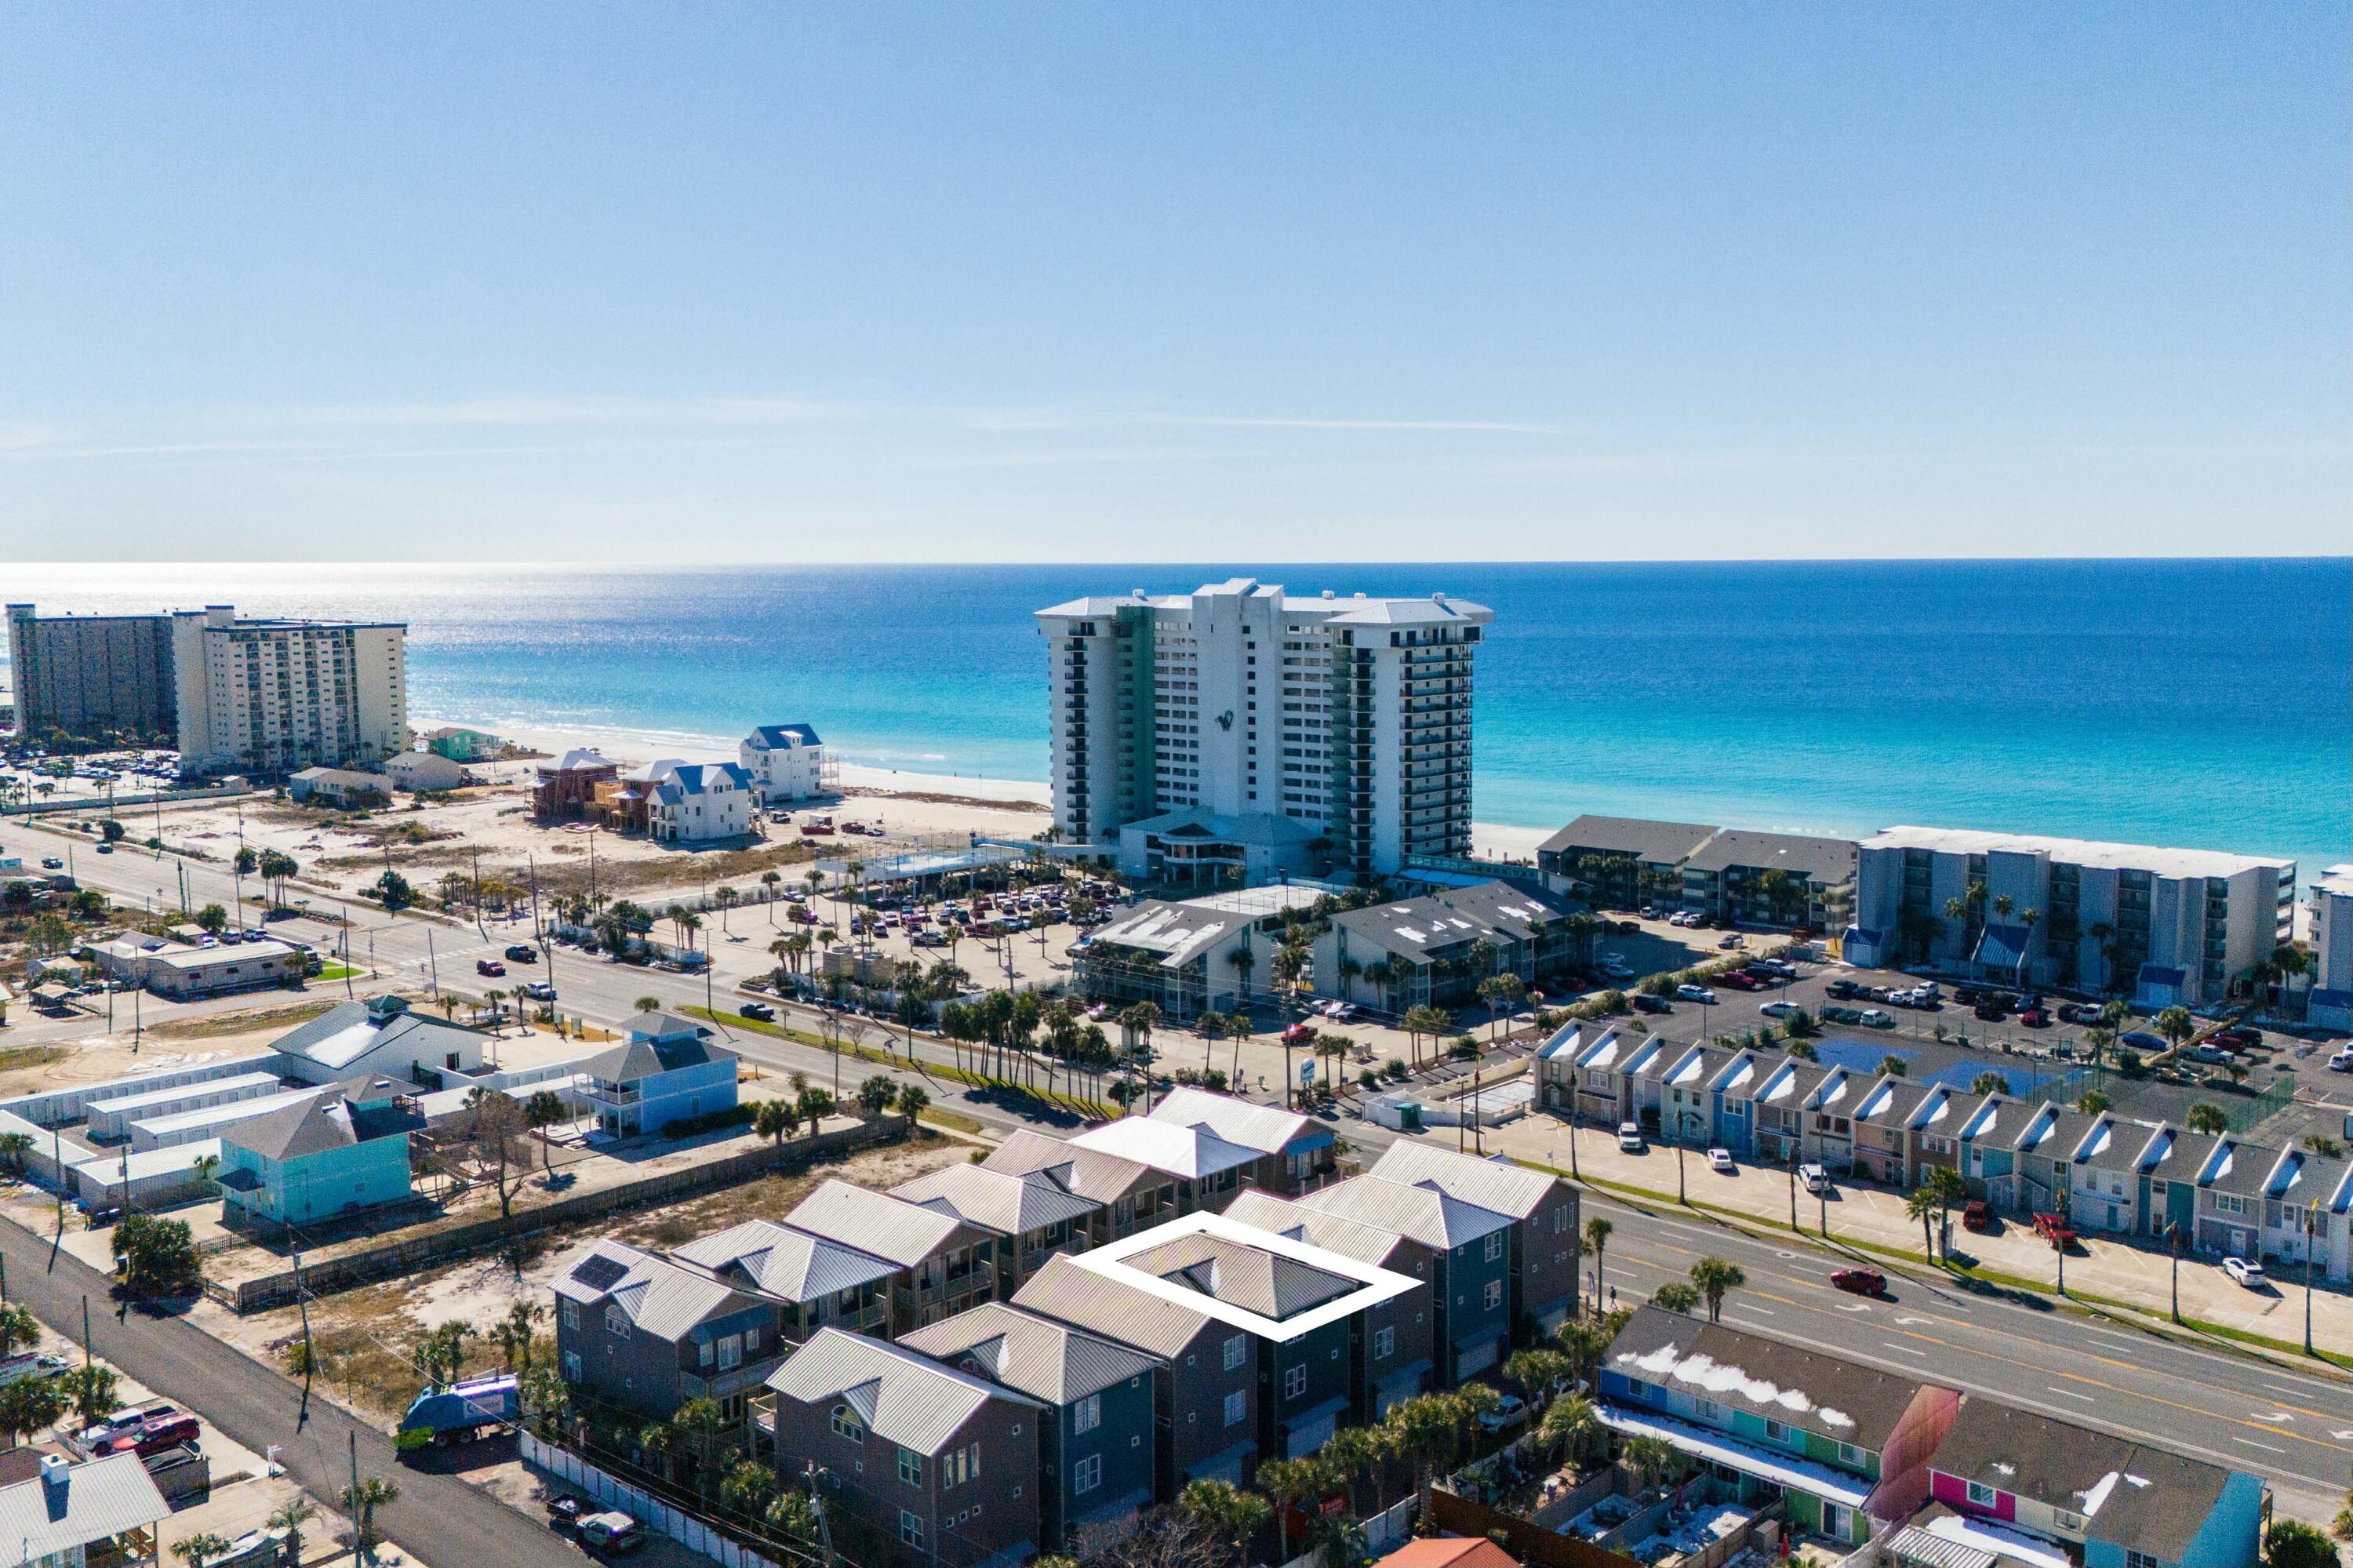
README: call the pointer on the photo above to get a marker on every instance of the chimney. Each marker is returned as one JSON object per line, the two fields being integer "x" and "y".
{"x": 54, "y": 1470}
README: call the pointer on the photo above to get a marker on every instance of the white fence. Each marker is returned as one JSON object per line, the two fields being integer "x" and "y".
{"x": 1386, "y": 1531}
{"x": 644, "y": 1507}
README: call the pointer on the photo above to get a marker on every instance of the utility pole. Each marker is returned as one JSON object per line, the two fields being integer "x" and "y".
{"x": 2308, "y": 1280}
{"x": 2173, "y": 1244}
{"x": 433, "y": 963}
{"x": 359, "y": 1535}
{"x": 85, "y": 1331}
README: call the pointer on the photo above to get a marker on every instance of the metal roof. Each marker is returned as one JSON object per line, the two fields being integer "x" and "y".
{"x": 1495, "y": 1184}
{"x": 1190, "y": 1151}
{"x": 1111, "y": 1307}
{"x": 1013, "y": 1205}
{"x": 783, "y": 1262}
{"x": 94, "y": 1501}
{"x": 1636, "y": 837}
{"x": 1089, "y": 1173}
{"x": 873, "y": 1223}
{"x": 1414, "y": 926}
{"x": 2157, "y": 862}
{"x": 1422, "y": 1210}
{"x": 1823, "y": 860}
{"x": 1262, "y": 1127}
{"x": 1819, "y": 1393}
{"x": 306, "y": 1127}
{"x": 1365, "y": 1242}
{"x": 906, "y": 1398}
{"x": 1241, "y": 1276}
{"x": 2142, "y": 1497}
{"x": 1037, "y": 1356}
{"x": 659, "y": 1296}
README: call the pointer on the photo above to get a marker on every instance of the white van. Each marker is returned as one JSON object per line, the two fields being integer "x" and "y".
{"x": 1816, "y": 1179}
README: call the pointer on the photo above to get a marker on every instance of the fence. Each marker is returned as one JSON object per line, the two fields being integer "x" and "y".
{"x": 324, "y": 1277}
{"x": 1523, "y": 1538}
{"x": 103, "y": 805}
{"x": 641, "y": 1505}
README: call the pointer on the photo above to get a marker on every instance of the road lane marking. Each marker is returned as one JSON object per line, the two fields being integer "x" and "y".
{"x": 1761, "y": 1311}
{"x": 1907, "y": 1350}
{"x": 2252, "y": 1443}
{"x": 2070, "y": 1394}
{"x": 2277, "y": 1415}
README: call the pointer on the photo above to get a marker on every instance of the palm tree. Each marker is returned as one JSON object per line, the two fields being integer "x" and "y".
{"x": 649, "y": 1004}
{"x": 2207, "y": 1120}
{"x": 290, "y": 1517}
{"x": 1651, "y": 1459}
{"x": 768, "y": 881}
{"x": 18, "y": 1329}
{"x": 202, "y": 1548}
{"x": 514, "y": 1333}
{"x": 1675, "y": 1296}
{"x": 92, "y": 1390}
{"x": 1211, "y": 1027}
{"x": 1220, "y": 1506}
{"x": 1716, "y": 1278}
{"x": 1989, "y": 1083}
{"x": 361, "y": 1502}
{"x": 1921, "y": 1205}
{"x": 2176, "y": 1024}
{"x": 1597, "y": 1242}
{"x": 1291, "y": 1482}
{"x": 2091, "y": 1102}
{"x": 1572, "y": 1427}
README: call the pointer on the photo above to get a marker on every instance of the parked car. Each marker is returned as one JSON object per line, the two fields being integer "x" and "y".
{"x": 611, "y": 1534}
{"x": 759, "y": 1010}
{"x": 1645, "y": 1002}
{"x": 2238, "y": 1035}
{"x": 2246, "y": 1271}
{"x": 1615, "y": 966}
{"x": 491, "y": 967}
{"x": 523, "y": 953}
{"x": 1779, "y": 1008}
{"x": 1509, "y": 1410}
{"x": 1977, "y": 1215}
{"x": 1858, "y": 1281}
{"x": 1696, "y": 993}
{"x": 2035, "y": 1018}
{"x": 159, "y": 1436}
{"x": 540, "y": 990}
{"x": 1875, "y": 1017}
{"x": 2342, "y": 1062}
{"x": 1299, "y": 1034}
{"x": 124, "y": 1420}
{"x": 1814, "y": 1178}
{"x": 1740, "y": 981}
{"x": 1991, "y": 1012}
{"x": 1628, "y": 929}
{"x": 2142, "y": 1040}
{"x": 1720, "y": 1159}
{"x": 2078, "y": 1013}
{"x": 1630, "y": 1137}
{"x": 1843, "y": 988}
{"x": 1733, "y": 940}
{"x": 52, "y": 862}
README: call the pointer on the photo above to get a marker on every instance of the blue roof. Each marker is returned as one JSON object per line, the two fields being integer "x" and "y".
{"x": 782, "y": 736}
{"x": 2003, "y": 944}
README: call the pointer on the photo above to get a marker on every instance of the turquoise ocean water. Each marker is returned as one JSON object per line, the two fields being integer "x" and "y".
{"x": 2194, "y": 702}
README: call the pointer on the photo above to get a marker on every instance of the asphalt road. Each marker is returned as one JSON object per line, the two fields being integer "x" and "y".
{"x": 438, "y": 1518}
{"x": 2293, "y": 1429}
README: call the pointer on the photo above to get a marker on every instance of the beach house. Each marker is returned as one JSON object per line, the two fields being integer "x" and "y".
{"x": 670, "y": 1069}
{"x": 818, "y": 1284}
{"x": 1124, "y": 1193}
{"x": 787, "y": 763}
{"x": 1295, "y": 1151}
{"x": 333, "y": 1153}
{"x": 942, "y": 1265}
{"x": 1543, "y": 1209}
{"x": 637, "y": 1331}
{"x": 567, "y": 791}
{"x": 920, "y": 1462}
{"x": 414, "y": 770}
{"x": 1032, "y": 1216}
{"x": 1465, "y": 1260}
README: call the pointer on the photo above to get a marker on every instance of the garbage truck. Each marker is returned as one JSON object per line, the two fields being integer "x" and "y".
{"x": 458, "y": 1413}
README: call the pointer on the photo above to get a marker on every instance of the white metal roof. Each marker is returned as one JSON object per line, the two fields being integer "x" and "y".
{"x": 906, "y": 1398}
{"x": 1191, "y": 1152}
{"x": 95, "y": 1501}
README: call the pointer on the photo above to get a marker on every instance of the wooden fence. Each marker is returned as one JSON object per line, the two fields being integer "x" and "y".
{"x": 1523, "y": 1538}
{"x": 326, "y": 1276}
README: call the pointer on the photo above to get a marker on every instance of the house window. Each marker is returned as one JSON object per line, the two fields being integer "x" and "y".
{"x": 1494, "y": 1293}
{"x": 570, "y": 1311}
{"x": 911, "y": 1530}
{"x": 731, "y": 1352}
{"x": 1495, "y": 1247}
{"x": 572, "y": 1372}
{"x": 1087, "y": 1414}
{"x": 1236, "y": 1349}
{"x": 1775, "y": 1432}
{"x": 1560, "y": 1219}
{"x": 1850, "y": 1454}
{"x": 2140, "y": 1560}
{"x": 847, "y": 1424}
{"x": 1237, "y": 1404}
{"x": 617, "y": 1322}
{"x": 910, "y": 1466}
{"x": 1086, "y": 1475}
{"x": 1384, "y": 1343}
{"x": 1294, "y": 1381}
{"x": 2065, "y": 1520}
{"x": 1980, "y": 1494}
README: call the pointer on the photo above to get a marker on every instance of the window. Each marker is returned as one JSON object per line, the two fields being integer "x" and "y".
{"x": 911, "y": 1530}
{"x": 617, "y": 1322}
{"x": 571, "y": 1313}
{"x": 910, "y": 1466}
{"x": 1294, "y": 1381}
{"x": 1087, "y": 1414}
{"x": 1494, "y": 1293}
{"x": 1775, "y": 1432}
{"x": 1560, "y": 1219}
{"x": 847, "y": 1424}
{"x": 1495, "y": 1247}
{"x": 571, "y": 1366}
{"x": 1850, "y": 1454}
{"x": 1086, "y": 1475}
{"x": 1237, "y": 1349}
{"x": 2140, "y": 1560}
{"x": 1980, "y": 1494}
{"x": 2065, "y": 1520}
{"x": 1237, "y": 1406}
{"x": 1384, "y": 1343}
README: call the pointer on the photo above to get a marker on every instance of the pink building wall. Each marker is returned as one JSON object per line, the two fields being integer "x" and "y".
{"x": 1954, "y": 1492}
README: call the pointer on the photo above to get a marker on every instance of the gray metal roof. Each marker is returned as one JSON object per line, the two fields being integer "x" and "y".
{"x": 659, "y": 1296}
{"x": 1642, "y": 840}
{"x": 1038, "y": 1356}
{"x": 783, "y": 1262}
{"x": 306, "y": 1126}
{"x": 342, "y": 1036}
{"x": 1013, "y": 1205}
{"x": 1422, "y": 1209}
{"x": 1062, "y": 1289}
{"x": 1826, "y": 860}
{"x": 1089, "y": 1173}
{"x": 95, "y": 1501}
{"x": 906, "y": 1398}
{"x": 1365, "y": 1242}
{"x": 1262, "y": 1127}
{"x": 1823, "y": 1393}
{"x": 875, "y": 1223}
{"x": 1188, "y": 1152}
{"x": 658, "y": 1044}
{"x": 1496, "y": 1184}
{"x": 1416, "y": 927}
{"x": 1262, "y": 1282}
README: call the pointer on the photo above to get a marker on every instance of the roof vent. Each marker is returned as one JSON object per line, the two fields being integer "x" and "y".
{"x": 1329, "y": 594}
{"x": 1360, "y": 593}
{"x": 54, "y": 1470}
{"x": 1135, "y": 593}
{"x": 1437, "y": 598}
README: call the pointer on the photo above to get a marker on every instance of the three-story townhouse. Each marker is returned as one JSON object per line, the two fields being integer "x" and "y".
{"x": 1394, "y": 1350}
{"x": 1200, "y": 1170}
{"x": 1128, "y": 1195}
{"x": 1295, "y": 1153}
{"x": 1732, "y": 1095}
{"x": 637, "y": 1333}
{"x": 1469, "y": 1254}
{"x": 1031, "y": 1216}
{"x": 1830, "y": 1119}
{"x": 944, "y": 1264}
{"x": 1883, "y": 1129}
{"x": 818, "y": 1284}
{"x": 1543, "y": 1209}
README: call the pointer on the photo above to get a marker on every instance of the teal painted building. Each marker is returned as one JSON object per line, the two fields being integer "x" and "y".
{"x": 343, "y": 1151}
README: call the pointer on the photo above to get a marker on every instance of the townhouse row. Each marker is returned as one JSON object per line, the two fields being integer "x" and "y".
{"x": 2220, "y": 1195}
{"x": 1019, "y": 1354}
{"x": 1926, "y": 1476}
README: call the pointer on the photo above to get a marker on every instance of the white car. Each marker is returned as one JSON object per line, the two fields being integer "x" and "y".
{"x": 1779, "y": 1008}
{"x": 2342, "y": 1062}
{"x": 1616, "y": 968}
{"x": 1630, "y": 1137}
{"x": 1814, "y": 1178}
{"x": 1720, "y": 1160}
{"x": 2248, "y": 1273}
{"x": 1696, "y": 993}
{"x": 1683, "y": 917}
{"x": 1877, "y": 1019}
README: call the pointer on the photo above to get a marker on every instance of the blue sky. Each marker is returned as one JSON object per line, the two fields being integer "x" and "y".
{"x": 915, "y": 282}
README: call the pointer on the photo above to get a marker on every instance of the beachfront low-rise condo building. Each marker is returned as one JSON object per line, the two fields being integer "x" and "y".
{"x": 1350, "y": 716}
{"x": 2165, "y": 925}
{"x": 1435, "y": 950}
{"x": 787, "y": 762}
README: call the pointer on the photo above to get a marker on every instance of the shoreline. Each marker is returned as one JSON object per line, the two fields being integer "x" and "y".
{"x": 636, "y": 746}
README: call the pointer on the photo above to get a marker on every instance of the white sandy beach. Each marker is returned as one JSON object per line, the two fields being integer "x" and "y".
{"x": 956, "y": 797}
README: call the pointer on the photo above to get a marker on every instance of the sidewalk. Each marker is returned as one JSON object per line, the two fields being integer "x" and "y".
{"x": 2106, "y": 1272}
